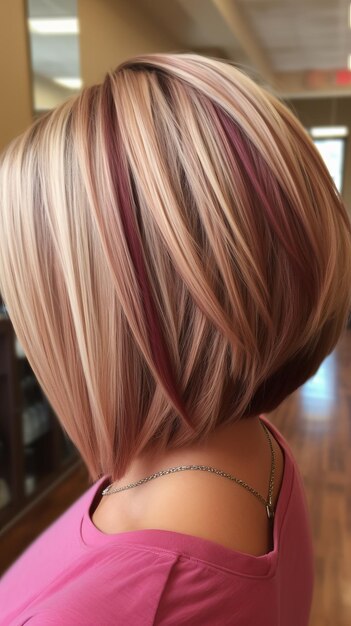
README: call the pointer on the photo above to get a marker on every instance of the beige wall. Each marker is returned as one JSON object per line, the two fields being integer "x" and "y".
{"x": 16, "y": 111}
{"x": 113, "y": 30}
{"x": 328, "y": 112}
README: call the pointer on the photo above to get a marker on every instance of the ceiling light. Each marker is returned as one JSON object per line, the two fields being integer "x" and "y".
{"x": 54, "y": 26}
{"x": 349, "y": 62}
{"x": 70, "y": 83}
{"x": 319, "y": 132}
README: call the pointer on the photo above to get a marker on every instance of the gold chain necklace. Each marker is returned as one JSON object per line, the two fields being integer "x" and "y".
{"x": 267, "y": 503}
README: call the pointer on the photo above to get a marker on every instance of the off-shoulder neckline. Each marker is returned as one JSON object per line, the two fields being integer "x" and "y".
{"x": 192, "y": 546}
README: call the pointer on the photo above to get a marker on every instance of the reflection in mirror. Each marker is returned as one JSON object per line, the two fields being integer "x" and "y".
{"x": 54, "y": 50}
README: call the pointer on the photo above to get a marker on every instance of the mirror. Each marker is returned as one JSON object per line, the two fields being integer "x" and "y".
{"x": 53, "y": 27}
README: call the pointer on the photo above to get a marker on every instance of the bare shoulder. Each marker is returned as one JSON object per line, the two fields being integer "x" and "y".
{"x": 204, "y": 505}
{"x": 214, "y": 508}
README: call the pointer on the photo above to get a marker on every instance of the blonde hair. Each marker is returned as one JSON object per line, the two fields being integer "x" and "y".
{"x": 174, "y": 256}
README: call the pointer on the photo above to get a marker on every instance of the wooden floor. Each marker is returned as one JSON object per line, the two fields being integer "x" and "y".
{"x": 316, "y": 421}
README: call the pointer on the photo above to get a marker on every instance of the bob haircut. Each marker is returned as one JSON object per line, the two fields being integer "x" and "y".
{"x": 174, "y": 256}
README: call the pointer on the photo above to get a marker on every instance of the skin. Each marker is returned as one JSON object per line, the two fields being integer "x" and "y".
{"x": 196, "y": 502}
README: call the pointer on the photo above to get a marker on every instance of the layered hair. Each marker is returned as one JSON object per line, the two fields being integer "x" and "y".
{"x": 174, "y": 255}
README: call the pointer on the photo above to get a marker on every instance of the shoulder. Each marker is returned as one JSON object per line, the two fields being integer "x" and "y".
{"x": 217, "y": 509}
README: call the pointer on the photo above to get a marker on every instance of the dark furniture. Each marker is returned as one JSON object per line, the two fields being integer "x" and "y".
{"x": 35, "y": 453}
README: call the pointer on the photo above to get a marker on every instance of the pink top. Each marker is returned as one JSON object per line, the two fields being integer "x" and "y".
{"x": 75, "y": 575}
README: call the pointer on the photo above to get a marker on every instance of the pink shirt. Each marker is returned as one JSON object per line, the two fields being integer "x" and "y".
{"x": 73, "y": 574}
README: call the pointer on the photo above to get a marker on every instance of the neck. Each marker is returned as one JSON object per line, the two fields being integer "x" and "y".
{"x": 237, "y": 441}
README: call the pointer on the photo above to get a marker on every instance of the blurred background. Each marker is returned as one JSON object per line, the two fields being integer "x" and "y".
{"x": 301, "y": 49}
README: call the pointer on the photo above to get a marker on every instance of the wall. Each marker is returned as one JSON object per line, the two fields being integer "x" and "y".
{"x": 16, "y": 111}
{"x": 113, "y": 30}
{"x": 328, "y": 112}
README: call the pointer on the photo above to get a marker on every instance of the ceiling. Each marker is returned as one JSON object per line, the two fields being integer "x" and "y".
{"x": 294, "y": 34}
{"x": 301, "y": 46}
{"x": 302, "y": 34}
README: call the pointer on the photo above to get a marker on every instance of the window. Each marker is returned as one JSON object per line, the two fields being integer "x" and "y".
{"x": 331, "y": 142}
{"x": 54, "y": 46}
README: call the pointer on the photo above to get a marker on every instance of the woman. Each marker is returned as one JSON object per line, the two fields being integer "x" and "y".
{"x": 176, "y": 261}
